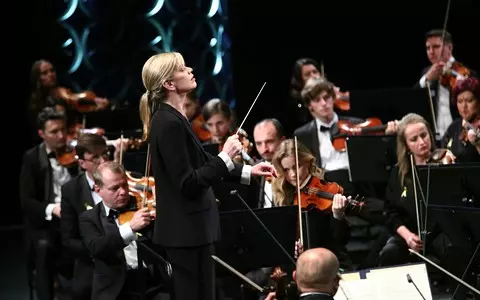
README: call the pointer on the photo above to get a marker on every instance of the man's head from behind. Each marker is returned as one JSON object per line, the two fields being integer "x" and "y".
{"x": 268, "y": 134}
{"x": 317, "y": 271}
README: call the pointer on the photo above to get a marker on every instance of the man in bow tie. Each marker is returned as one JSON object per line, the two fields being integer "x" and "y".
{"x": 113, "y": 245}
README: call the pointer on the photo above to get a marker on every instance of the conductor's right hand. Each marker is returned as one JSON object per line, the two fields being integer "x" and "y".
{"x": 140, "y": 219}
{"x": 232, "y": 146}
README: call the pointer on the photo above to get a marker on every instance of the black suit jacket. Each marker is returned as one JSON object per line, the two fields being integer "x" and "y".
{"x": 187, "y": 214}
{"x": 76, "y": 195}
{"x": 106, "y": 248}
{"x": 36, "y": 188}
{"x": 316, "y": 297}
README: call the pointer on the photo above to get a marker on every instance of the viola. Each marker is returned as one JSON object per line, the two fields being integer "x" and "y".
{"x": 319, "y": 194}
{"x": 441, "y": 156}
{"x": 282, "y": 289}
{"x": 347, "y": 128}
{"x": 457, "y": 71}
{"x": 143, "y": 191}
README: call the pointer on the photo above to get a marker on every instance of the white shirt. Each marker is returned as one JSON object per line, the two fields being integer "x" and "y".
{"x": 246, "y": 170}
{"x": 129, "y": 237}
{"x": 267, "y": 195}
{"x": 96, "y": 197}
{"x": 331, "y": 159}
{"x": 443, "y": 115}
{"x": 60, "y": 176}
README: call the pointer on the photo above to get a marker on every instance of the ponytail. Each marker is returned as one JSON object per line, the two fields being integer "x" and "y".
{"x": 145, "y": 115}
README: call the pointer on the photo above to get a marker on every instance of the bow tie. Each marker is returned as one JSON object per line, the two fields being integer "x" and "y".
{"x": 324, "y": 128}
{"x": 113, "y": 214}
{"x": 51, "y": 155}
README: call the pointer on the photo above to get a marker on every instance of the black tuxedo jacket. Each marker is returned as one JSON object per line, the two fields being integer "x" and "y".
{"x": 316, "y": 297}
{"x": 187, "y": 214}
{"x": 36, "y": 188}
{"x": 106, "y": 247}
{"x": 76, "y": 195}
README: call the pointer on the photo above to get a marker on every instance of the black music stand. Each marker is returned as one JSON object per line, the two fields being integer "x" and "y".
{"x": 391, "y": 104}
{"x": 455, "y": 186}
{"x": 246, "y": 246}
{"x": 370, "y": 157}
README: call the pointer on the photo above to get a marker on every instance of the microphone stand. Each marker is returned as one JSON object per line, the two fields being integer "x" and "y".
{"x": 410, "y": 280}
{"x": 446, "y": 272}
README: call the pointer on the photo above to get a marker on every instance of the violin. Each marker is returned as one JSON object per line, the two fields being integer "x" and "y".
{"x": 83, "y": 102}
{"x": 441, "y": 156}
{"x": 282, "y": 290}
{"x": 319, "y": 194}
{"x": 347, "y": 128}
{"x": 200, "y": 128}
{"x": 451, "y": 75}
{"x": 247, "y": 148}
{"x": 342, "y": 101}
{"x": 143, "y": 191}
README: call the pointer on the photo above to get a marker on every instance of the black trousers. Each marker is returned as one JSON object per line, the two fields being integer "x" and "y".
{"x": 193, "y": 272}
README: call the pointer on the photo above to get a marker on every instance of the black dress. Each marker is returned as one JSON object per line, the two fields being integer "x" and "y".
{"x": 464, "y": 152}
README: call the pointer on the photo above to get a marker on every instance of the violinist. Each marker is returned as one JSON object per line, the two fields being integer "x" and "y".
{"x": 45, "y": 91}
{"x": 416, "y": 138}
{"x": 318, "y": 134}
{"x": 41, "y": 179}
{"x": 187, "y": 220}
{"x": 267, "y": 135}
{"x": 113, "y": 246}
{"x": 440, "y": 55}
{"x": 462, "y": 140}
{"x": 78, "y": 195}
{"x": 284, "y": 190}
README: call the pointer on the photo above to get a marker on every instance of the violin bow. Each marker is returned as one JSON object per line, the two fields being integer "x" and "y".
{"x": 417, "y": 208}
{"x": 121, "y": 148}
{"x": 299, "y": 202}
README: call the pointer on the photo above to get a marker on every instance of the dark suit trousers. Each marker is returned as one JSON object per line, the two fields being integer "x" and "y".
{"x": 193, "y": 272}
{"x": 82, "y": 279}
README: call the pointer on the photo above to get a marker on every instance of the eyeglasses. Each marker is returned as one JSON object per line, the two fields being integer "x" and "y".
{"x": 98, "y": 158}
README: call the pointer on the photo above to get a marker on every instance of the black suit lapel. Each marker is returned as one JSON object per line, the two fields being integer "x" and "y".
{"x": 315, "y": 142}
{"x": 86, "y": 192}
{"x": 47, "y": 171}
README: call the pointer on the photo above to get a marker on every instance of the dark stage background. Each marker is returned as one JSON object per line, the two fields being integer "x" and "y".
{"x": 363, "y": 44}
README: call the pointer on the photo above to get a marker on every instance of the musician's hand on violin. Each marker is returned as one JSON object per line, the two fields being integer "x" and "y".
{"x": 264, "y": 169}
{"x": 57, "y": 210}
{"x": 435, "y": 71}
{"x": 232, "y": 146}
{"x": 414, "y": 242}
{"x": 271, "y": 296}
{"x": 449, "y": 157}
{"x": 140, "y": 219}
{"x": 101, "y": 103}
{"x": 298, "y": 249}
{"x": 338, "y": 206}
{"x": 392, "y": 127}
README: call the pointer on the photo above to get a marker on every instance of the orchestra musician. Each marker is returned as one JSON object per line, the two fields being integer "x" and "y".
{"x": 440, "y": 55}
{"x": 113, "y": 246}
{"x": 41, "y": 179}
{"x": 416, "y": 138}
{"x": 284, "y": 190}
{"x": 187, "y": 220}
{"x": 464, "y": 142}
{"x": 78, "y": 195}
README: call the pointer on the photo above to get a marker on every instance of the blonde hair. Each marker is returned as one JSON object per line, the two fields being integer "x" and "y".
{"x": 283, "y": 192}
{"x": 403, "y": 152}
{"x": 156, "y": 70}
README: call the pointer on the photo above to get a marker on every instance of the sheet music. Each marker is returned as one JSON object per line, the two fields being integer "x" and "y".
{"x": 386, "y": 283}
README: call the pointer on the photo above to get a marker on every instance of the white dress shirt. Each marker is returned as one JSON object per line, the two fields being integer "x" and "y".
{"x": 267, "y": 195}
{"x": 129, "y": 237}
{"x": 331, "y": 159}
{"x": 443, "y": 115}
{"x": 60, "y": 176}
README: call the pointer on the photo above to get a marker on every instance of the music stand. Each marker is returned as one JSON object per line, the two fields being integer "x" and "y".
{"x": 455, "y": 186}
{"x": 370, "y": 157}
{"x": 391, "y": 104}
{"x": 246, "y": 246}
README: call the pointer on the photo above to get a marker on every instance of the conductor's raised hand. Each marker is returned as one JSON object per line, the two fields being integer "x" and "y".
{"x": 264, "y": 169}
{"x": 232, "y": 146}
